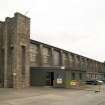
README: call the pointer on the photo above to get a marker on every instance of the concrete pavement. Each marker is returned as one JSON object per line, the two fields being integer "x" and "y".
{"x": 53, "y": 96}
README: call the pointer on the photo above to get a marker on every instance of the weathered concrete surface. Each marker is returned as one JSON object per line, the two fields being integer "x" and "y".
{"x": 51, "y": 96}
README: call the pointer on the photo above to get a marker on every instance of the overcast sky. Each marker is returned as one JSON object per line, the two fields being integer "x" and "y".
{"x": 74, "y": 25}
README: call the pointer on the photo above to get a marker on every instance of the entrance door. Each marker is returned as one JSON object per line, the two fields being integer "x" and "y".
{"x": 49, "y": 78}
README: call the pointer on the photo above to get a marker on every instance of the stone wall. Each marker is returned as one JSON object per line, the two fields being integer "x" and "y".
{"x": 14, "y": 51}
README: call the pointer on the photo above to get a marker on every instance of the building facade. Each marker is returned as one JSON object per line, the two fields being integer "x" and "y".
{"x": 25, "y": 62}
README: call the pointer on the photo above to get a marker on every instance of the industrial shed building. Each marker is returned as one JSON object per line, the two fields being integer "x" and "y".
{"x": 25, "y": 62}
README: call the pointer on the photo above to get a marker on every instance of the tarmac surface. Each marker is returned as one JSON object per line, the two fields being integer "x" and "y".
{"x": 93, "y": 95}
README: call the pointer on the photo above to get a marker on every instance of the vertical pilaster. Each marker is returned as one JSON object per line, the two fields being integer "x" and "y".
{"x": 69, "y": 61}
{"x": 52, "y": 56}
{"x": 75, "y": 61}
{"x": 62, "y": 58}
{"x": 41, "y": 54}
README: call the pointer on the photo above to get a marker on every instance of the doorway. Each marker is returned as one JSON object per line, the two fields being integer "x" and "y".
{"x": 49, "y": 78}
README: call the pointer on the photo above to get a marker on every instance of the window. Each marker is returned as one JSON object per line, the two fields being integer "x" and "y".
{"x": 80, "y": 76}
{"x": 23, "y": 60}
{"x": 73, "y": 76}
{"x": 104, "y": 75}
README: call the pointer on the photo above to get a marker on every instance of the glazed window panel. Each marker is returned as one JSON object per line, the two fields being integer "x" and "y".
{"x": 80, "y": 76}
{"x": 73, "y": 76}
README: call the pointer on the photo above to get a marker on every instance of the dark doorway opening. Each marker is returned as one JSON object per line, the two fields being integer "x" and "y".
{"x": 49, "y": 78}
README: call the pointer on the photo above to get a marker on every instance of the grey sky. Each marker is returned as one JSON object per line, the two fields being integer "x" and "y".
{"x": 74, "y": 25}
